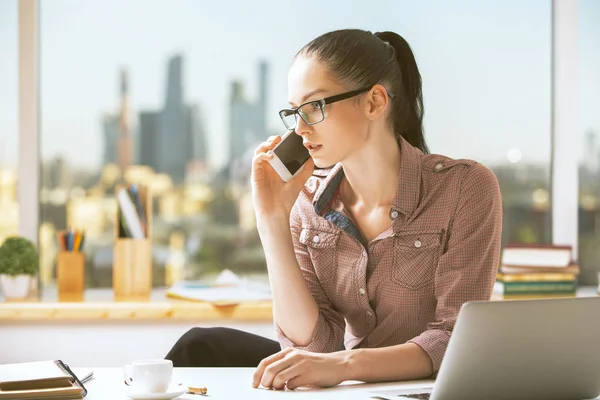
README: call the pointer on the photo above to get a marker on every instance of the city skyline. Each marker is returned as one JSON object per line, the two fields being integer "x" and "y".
{"x": 465, "y": 78}
{"x": 247, "y": 120}
{"x": 202, "y": 82}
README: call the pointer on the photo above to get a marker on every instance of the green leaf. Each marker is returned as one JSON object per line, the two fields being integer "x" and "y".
{"x": 18, "y": 255}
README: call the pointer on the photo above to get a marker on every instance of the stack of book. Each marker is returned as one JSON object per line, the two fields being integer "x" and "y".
{"x": 529, "y": 271}
{"x": 41, "y": 380}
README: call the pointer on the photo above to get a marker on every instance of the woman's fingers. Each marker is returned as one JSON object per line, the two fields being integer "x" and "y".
{"x": 259, "y": 160}
{"x": 260, "y": 370}
{"x": 271, "y": 142}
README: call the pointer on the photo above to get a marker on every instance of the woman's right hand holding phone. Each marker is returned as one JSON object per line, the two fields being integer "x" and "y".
{"x": 272, "y": 197}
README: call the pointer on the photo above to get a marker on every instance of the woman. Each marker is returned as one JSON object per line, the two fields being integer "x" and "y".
{"x": 371, "y": 258}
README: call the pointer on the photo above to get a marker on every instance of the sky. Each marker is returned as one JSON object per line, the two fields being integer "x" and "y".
{"x": 485, "y": 66}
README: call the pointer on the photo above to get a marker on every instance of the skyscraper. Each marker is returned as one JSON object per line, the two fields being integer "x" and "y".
{"x": 125, "y": 141}
{"x": 56, "y": 174}
{"x": 240, "y": 121}
{"x": 247, "y": 119}
{"x": 149, "y": 127}
{"x": 174, "y": 139}
{"x": 174, "y": 136}
{"x": 591, "y": 155}
{"x": 118, "y": 141}
{"x": 110, "y": 128}
{"x": 261, "y": 112}
{"x": 197, "y": 133}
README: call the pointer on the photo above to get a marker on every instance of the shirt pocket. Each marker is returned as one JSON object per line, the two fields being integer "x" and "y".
{"x": 415, "y": 258}
{"x": 322, "y": 248}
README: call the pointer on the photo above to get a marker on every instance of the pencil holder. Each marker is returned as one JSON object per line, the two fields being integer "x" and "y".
{"x": 70, "y": 275}
{"x": 132, "y": 269}
{"x": 132, "y": 250}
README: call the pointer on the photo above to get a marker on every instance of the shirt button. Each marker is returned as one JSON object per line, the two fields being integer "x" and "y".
{"x": 418, "y": 243}
{"x": 439, "y": 166}
{"x": 316, "y": 239}
{"x": 394, "y": 214}
{"x": 369, "y": 313}
{"x": 361, "y": 291}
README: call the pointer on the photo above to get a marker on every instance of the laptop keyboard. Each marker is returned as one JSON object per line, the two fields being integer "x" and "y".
{"x": 420, "y": 396}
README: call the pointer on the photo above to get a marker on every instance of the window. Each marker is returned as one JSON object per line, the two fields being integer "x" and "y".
{"x": 589, "y": 137}
{"x": 486, "y": 81}
{"x": 9, "y": 138}
{"x": 176, "y": 95}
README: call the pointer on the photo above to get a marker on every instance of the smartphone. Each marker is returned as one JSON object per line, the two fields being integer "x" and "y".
{"x": 290, "y": 156}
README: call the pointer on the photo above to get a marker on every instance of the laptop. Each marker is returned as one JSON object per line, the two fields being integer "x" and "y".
{"x": 519, "y": 349}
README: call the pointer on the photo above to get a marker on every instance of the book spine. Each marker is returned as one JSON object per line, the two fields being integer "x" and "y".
{"x": 536, "y": 277}
{"x": 571, "y": 269}
{"x": 539, "y": 287}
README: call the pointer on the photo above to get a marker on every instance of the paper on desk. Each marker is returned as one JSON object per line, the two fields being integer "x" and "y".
{"x": 228, "y": 277}
{"x": 219, "y": 295}
{"x": 228, "y": 289}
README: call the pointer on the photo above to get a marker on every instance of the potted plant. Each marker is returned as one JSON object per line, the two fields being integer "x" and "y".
{"x": 18, "y": 264}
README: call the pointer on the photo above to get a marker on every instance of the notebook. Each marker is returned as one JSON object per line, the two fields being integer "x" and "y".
{"x": 227, "y": 289}
{"x": 40, "y": 380}
{"x": 221, "y": 295}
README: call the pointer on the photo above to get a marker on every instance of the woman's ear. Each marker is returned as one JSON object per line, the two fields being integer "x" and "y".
{"x": 377, "y": 102}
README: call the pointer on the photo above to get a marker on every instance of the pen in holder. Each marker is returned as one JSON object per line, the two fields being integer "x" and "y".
{"x": 70, "y": 266}
{"x": 132, "y": 251}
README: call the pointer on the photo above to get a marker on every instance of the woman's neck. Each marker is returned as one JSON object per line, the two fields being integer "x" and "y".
{"x": 372, "y": 173}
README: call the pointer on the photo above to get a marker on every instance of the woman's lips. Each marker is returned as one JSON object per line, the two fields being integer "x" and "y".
{"x": 312, "y": 147}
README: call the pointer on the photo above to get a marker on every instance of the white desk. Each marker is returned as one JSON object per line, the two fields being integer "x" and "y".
{"x": 233, "y": 383}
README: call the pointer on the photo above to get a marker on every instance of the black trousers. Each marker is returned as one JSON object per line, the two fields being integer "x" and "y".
{"x": 221, "y": 347}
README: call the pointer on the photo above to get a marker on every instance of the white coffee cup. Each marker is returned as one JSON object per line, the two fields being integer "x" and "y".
{"x": 149, "y": 376}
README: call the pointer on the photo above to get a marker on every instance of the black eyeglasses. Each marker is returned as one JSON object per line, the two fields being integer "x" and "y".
{"x": 313, "y": 112}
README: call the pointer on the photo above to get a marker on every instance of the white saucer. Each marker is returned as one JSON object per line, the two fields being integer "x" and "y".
{"x": 172, "y": 392}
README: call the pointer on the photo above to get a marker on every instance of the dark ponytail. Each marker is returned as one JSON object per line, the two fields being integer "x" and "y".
{"x": 361, "y": 59}
{"x": 410, "y": 115}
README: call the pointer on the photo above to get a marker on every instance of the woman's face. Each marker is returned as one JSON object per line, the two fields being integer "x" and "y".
{"x": 346, "y": 126}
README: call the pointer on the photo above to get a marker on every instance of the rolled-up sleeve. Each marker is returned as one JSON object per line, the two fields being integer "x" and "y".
{"x": 328, "y": 333}
{"x": 467, "y": 270}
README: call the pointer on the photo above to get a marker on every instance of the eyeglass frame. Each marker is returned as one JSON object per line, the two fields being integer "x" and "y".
{"x": 322, "y": 103}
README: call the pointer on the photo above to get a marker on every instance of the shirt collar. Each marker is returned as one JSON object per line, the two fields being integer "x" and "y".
{"x": 326, "y": 191}
{"x": 408, "y": 187}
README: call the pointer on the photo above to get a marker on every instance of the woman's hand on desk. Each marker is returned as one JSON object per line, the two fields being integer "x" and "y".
{"x": 294, "y": 368}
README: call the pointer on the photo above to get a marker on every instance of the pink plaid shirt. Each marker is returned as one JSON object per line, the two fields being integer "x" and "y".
{"x": 407, "y": 285}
